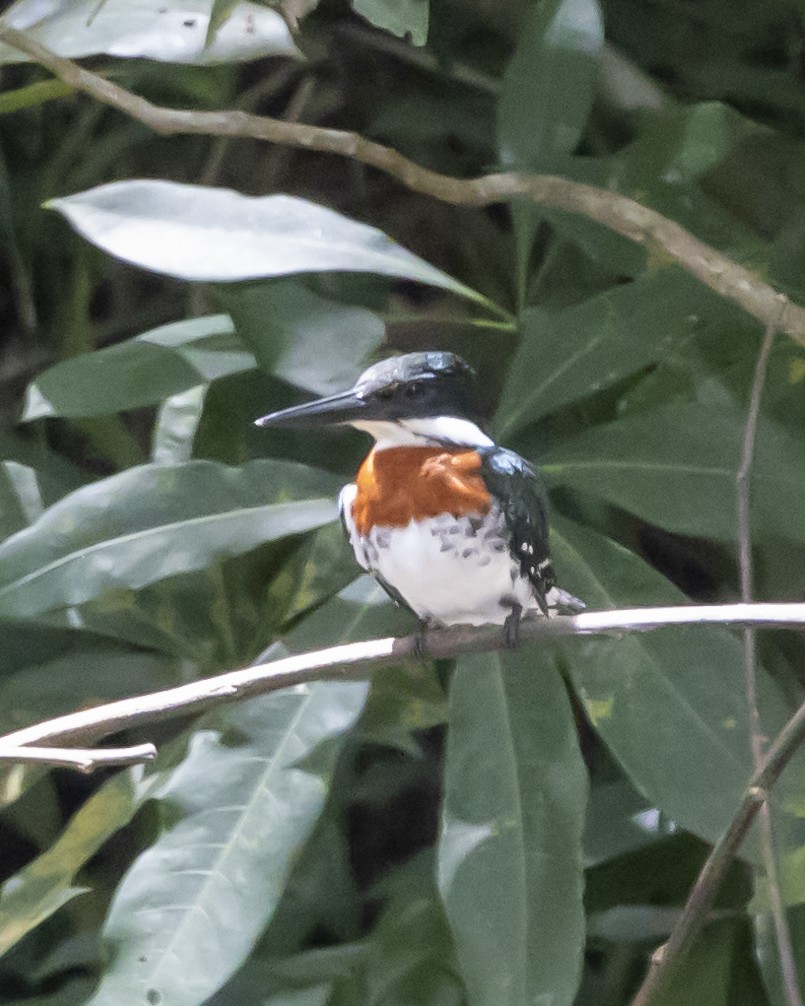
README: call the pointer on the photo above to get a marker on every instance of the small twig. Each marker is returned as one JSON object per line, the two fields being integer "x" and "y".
{"x": 83, "y": 759}
{"x": 724, "y": 851}
{"x": 354, "y": 660}
{"x": 610, "y": 209}
{"x": 785, "y": 950}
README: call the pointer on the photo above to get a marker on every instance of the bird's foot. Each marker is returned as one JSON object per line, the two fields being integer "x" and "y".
{"x": 511, "y": 627}
{"x": 420, "y": 652}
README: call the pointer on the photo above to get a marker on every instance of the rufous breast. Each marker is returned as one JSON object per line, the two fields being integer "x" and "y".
{"x": 400, "y": 484}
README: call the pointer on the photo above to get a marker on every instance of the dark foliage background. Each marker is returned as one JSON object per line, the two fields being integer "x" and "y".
{"x": 500, "y": 830}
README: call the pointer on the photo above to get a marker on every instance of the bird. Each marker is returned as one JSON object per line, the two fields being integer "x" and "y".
{"x": 451, "y": 524}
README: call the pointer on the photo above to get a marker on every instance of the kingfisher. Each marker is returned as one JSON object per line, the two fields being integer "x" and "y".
{"x": 453, "y": 526}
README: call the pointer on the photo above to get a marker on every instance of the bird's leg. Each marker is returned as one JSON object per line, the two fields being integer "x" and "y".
{"x": 511, "y": 627}
{"x": 420, "y": 652}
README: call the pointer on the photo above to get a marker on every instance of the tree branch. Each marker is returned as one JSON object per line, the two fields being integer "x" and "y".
{"x": 83, "y": 759}
{"x": 785, "y": 950}
{"x": 611, "y": 209}
{"x": 354, "y": 660}
{"x": 724, "y": 851}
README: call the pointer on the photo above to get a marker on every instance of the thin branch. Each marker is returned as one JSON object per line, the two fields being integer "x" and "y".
{"x": 611, "y": 209}
{"x": 785, "y": 950}
{"x": 355, "y": 660}
{"x": 724, "y": 851}
{"x": 83, "y": 759}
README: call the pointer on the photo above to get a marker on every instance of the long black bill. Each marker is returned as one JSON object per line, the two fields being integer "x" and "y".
{"x": 341, "y": 408}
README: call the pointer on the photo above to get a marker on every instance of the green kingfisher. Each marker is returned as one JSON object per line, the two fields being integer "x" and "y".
{"x": 452, "y": 525}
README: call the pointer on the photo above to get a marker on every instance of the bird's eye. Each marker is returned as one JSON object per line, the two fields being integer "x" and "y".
{"x": 414, "y": 390}
{"x": 384, "y": 394}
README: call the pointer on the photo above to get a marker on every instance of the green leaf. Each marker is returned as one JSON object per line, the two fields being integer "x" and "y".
{"x": 20, "y": 498}
{"x": 216, "y": 235}
{"x": 32, "y": 95}
{"x": 675, "y": 467}
{"x": 176, "y": 426}
{"x": 152, "y": 522}
{"x": 173, "y": 31}
{"x": 404, "y": 18}
{"x": 45, "y": 884}
{"x": 510, "y": 856}
{"x": 568, "y": 354}
{"x": 549, "y": 83}
{"x": 141, "y": 371}
{"x": 669, "y": 705}
{"x": 308, "y": 340}
{"x": 191, "y": 907}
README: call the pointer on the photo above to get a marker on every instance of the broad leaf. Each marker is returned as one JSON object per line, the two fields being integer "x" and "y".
{"x": 216, "y": 235}
{"x": 669, "y": 705}
{"x": 510, "y": 853}
{"x": 173, "y": 31}
{"x": 192, "y": 906}
{"x": 141, "y": 371}
{"x": 568, "y": 354}
{"x": 152, "y": 522}
{"x": 549, "y": 83}
{"x": 676, "y": 466}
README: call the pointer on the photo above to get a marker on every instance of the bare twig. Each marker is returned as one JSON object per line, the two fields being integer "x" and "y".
{"x": 785, "y": 950}
{"x": 354, "y": 660}
{"x": 83, "y": 759}
{"x": 611, "y": 209}
{"x": 709, "y": 880}
{"x": 755, "y": 799}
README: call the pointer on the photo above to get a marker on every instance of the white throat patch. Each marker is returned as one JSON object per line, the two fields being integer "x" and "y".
{"x": 421, "y": 432}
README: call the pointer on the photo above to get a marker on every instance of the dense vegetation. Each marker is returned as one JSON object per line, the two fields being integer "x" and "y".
{"x": 498, "y": 830}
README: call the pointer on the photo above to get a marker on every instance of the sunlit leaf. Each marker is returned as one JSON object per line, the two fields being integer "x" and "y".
{"x": 174, "y": 31}
{"x": 176, "y": 426}
{"x": 198, "y": 233}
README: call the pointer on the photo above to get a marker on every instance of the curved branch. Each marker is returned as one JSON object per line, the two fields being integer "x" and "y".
{"x": 632, "y": 220}
{"x": 354, "y": 660}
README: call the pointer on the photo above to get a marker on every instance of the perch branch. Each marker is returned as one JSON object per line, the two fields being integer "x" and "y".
{"x": 638, "y": 223}
{"x": 354, "y": 660}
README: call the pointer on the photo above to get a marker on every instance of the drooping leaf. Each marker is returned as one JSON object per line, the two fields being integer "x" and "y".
{"x": 152, "y": 522}
{"x": 568, "y": 354}
{"x": 675, "y": 467}
{"x": 141, "y": 371}
{"x": 510, "y": 853}
{"x": 549, "y": 83}
{"x": 238, "y": 809}
{"x": 404, "y": 18}
{"x": 195, "y": 232}
{"x": 173, "y": 31}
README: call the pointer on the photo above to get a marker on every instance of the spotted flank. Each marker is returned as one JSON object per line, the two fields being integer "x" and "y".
{"x": 451, "y": 570}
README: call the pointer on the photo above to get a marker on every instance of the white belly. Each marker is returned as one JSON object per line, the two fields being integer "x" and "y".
{"x": 448, "y": 570}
